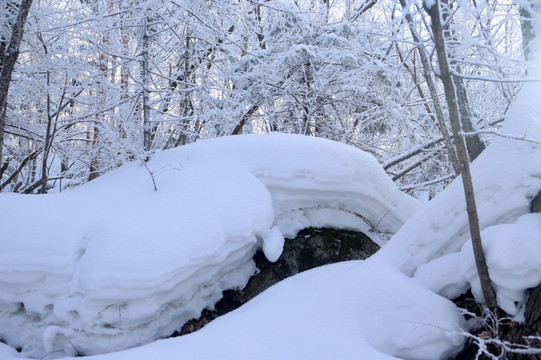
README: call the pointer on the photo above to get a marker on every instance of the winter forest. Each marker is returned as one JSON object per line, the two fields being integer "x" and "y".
{"x": 270, "y": 179}
{"x": 101, "y": 83}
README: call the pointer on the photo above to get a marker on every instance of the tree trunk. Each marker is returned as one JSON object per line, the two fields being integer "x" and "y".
{"x": 147, "y": 128}
{"x": 474, "y": 144}
{"x": 426, "y": 67}
{"x": 454, "y": 117}
{"x": 526, "y": 27}
{"x": 8, "y": 58}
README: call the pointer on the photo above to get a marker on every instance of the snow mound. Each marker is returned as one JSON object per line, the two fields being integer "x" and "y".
{"x": 512, "y": 253}
{"x": 513, "y": 259}
{"x": 127, "y": 267}
{"x": 349, "y": 310}
{"x": 312, "y": 181}
{"x": 443, "y": 276}
{"x": 114, "y": 264}
{"x": 506, "y": 176}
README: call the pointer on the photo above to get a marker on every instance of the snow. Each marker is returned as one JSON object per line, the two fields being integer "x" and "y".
{"x": 435, "y": 246}
{"x": 310, "y": 178}
{"x": 512, "y": 252}
{"x": 443, "y": 276}
{"x": 114, "y": 264}
{"x": 273, "y": 244}
{"x": 325, "y": 313}
{"x": 115, "y": 268}
{"x": 506, "y": 177}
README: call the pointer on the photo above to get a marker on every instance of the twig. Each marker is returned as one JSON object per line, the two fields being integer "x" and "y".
{"x": 496, "y": 133}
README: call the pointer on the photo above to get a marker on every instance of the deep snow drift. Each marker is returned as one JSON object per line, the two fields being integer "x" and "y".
{"x": 115, "y": 264}
{"x": 100, "y": 259}
{"x": 351, "y": 310}
{"x": 127, "y": 265}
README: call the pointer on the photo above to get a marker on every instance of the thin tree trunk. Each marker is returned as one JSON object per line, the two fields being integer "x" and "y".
{"x": 147, "y": 128}
{"x": 95, "y": 161}
{"x": 238, "y": 129}
{"x": 94, "y": 170}
{"x": 426, "y": 67}
{"x": 474, "y": 144}
{"x": 527, "y": 28}
{"x": 47, "y": 137}
{"x": 32, "y": 156}
{"x": 454, "y": 117}
{"x": 8, "y": 58}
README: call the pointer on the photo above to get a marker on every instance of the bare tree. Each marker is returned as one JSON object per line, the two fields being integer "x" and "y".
{"x": 454, "y": 118}
{"x": 9, "y": 52}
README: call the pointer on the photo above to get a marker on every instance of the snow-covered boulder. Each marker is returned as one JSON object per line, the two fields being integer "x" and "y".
{"x": 114, "y": 264}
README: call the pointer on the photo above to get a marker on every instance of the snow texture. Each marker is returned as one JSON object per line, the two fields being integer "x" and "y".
{"x": 348, "y": 310}
{"x": 443, "y": 276}
{"x": 114, "y": 264}
{"x": 512, "y": 253}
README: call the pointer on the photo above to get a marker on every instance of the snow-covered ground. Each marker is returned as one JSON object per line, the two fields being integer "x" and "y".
{"x": 115, "y": 264}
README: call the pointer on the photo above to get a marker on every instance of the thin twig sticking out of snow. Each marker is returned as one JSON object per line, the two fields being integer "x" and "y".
{"x": 151, "y": 174}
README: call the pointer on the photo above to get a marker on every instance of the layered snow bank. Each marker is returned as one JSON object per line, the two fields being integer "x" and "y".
{"x": 117, "y": 265}
{"x": 114, "y": 264}
{"x": 344, "y": 311}
{"x": 312, "y": 181}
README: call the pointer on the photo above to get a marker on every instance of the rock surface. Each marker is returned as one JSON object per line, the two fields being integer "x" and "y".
{"x": 311, "y": 248}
